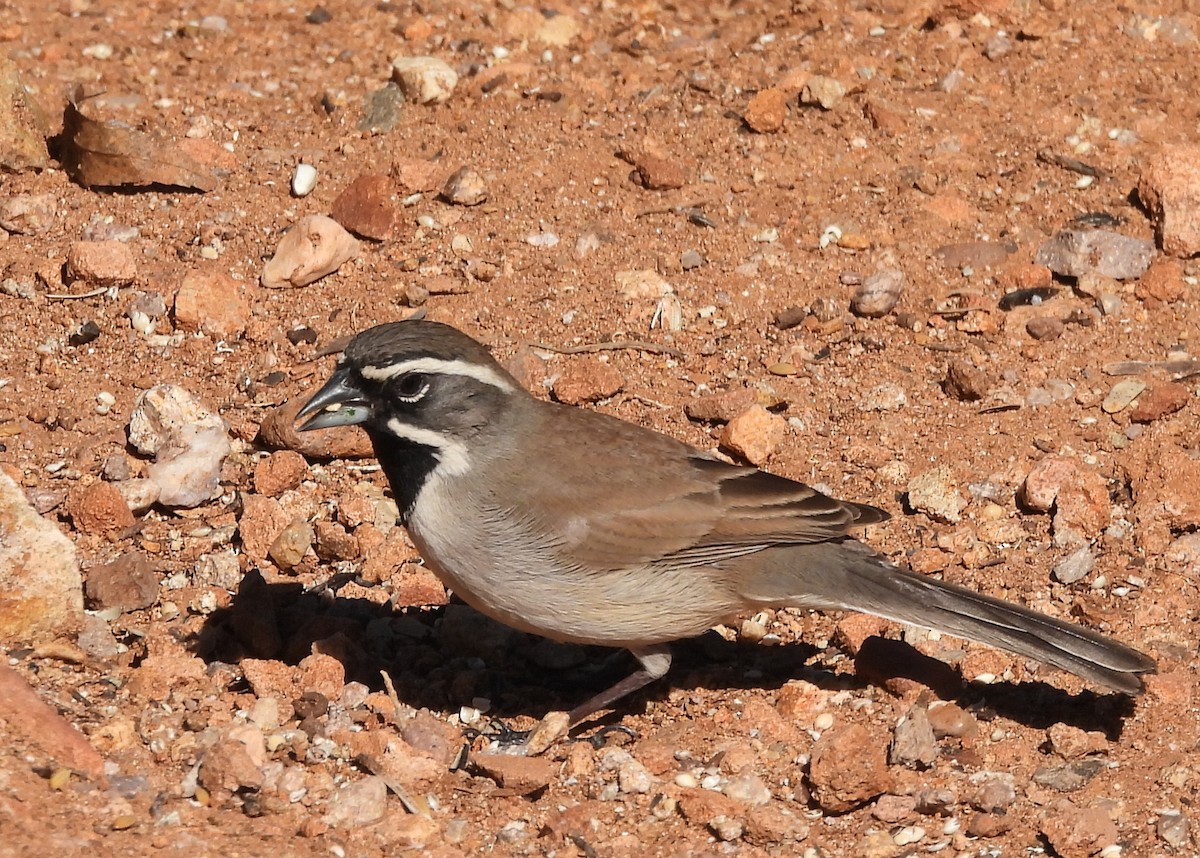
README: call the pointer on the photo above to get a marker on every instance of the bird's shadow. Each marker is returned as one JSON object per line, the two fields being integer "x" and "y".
{"x": 449, "y": 657}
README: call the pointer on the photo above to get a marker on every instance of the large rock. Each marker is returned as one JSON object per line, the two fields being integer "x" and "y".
{"x": 22, "y": 141}
{"x": 1170, "y": 188}
{"x": 41, "y": 589}
{"x": 189, "y": 444}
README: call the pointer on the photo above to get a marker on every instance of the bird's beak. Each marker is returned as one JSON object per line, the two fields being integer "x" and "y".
{"x": 339, "y": 403}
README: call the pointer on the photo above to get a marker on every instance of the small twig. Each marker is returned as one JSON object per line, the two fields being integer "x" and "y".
{"x": 1072, "y": 165}
{"x": 681, "y": 208}
{"x": 95, "y": 293}
{"x": 614, "y": 345}
{"x": 391, "y": 693}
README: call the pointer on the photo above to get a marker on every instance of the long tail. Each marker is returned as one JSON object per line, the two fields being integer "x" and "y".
{"x": 849, "y": 576}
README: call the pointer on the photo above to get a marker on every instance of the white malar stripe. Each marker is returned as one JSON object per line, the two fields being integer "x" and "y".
{"x": 451, "y": 455}
{"x": 484, "y": 374}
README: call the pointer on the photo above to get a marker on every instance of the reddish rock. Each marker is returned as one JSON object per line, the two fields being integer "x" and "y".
{"x": 278, "y": 431}
{"x": 654, "y": 168}
{"x": 1024, "y": 275}
{"x": 1077, "y": 832}
{"x": 263, "y": 519}
{"x": 1071, "y": 742}
{"x": 128, "y": 583}
{"x": 523, "y": 775}
{"x": 848, "y": 768}
{"x": 25, "y": 714}
{"x": 279, "y": 472}
{"x": 321, "y": 673}
{"x": 399, "y": 761}
{"x": 754, "y": 435}
{"x": 1043, "y": 327}
{"x": 417, "y": 175}
{"x": 852, "y": 630}
{"x": 766, "y": 110}
{"x": 1166, "y": 493}
{"x": 949, "y": 720}
{"x": 966, "y": 382}
{"x": 385, "y": 559}
{"x": 416, "y": 585}
{"x": 1163, "y": 281}
{"x": 1170, "y": 188}
{"x": 951, "y": 208}
{"x": 1161, "y": 399}
{"x": 1078, "y": 495}
{"x": 702, "y": 806}
{"x": 432, "y": 736}
{"x": 99, "y": 508}
{"x": 800, "y": 702}
{"x": 368, "y": 207}
{"x": 101, "y": 263}
{"x": 235, "y": 761}
{"x": 211, "y": 301}
{"x": 587, "y": 379}
{"x": 724, "y": 406}
{"x": 334, "y": 542}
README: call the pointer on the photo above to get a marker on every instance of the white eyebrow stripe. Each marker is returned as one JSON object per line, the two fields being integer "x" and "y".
{"x": 451, "y": 454}
{"x": 484, "y": 374}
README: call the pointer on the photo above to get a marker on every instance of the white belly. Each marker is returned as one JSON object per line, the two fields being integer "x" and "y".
{"x": 496, "y": 567}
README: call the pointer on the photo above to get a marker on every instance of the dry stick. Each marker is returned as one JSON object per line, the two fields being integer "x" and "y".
{"x": 615, "y": 345}
{"x": 95, "y": 293}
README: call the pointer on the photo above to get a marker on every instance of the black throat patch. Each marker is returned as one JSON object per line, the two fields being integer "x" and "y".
{"x": 406, "y": 464}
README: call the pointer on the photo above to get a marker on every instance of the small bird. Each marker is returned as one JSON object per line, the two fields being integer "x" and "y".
{"x": 581, "y": 527}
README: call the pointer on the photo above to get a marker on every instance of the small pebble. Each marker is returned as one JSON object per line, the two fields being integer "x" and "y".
{"x": 425, "y": 80}
{"x": 1075, "y": 566}
{"x": 304, "y": 180}
{"x": 1045, "y": 327}
{"x": 878, "y": 294}
{"x": 1122, "y": 395}
{"x": 466, "y": 187}
{"x": 823, "y": 92}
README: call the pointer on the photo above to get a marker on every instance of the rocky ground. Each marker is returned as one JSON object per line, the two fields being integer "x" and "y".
{"x": 932, "y": 256}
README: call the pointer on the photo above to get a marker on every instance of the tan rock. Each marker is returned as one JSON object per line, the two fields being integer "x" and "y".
{"x": 314, "y": 247}
{"x": 424, "y": 80}
{"x": 754, "y": 435}
{"x": 41, "y": 589}
{"x": 1170, "y": 188}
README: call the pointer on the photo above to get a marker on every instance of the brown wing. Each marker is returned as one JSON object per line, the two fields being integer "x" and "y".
{"x": 650, "y": 500}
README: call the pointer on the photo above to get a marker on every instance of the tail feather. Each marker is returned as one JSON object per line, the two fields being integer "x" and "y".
{"x": 870, "y": 584}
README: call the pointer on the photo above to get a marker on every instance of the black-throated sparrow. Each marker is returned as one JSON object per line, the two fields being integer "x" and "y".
{"x": 581, "y": 527}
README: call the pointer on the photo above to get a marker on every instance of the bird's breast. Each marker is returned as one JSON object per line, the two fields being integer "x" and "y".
{"x": 502, "y": 566}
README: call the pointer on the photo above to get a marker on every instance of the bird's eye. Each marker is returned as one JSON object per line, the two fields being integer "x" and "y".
{"x": 411, "y": 386}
